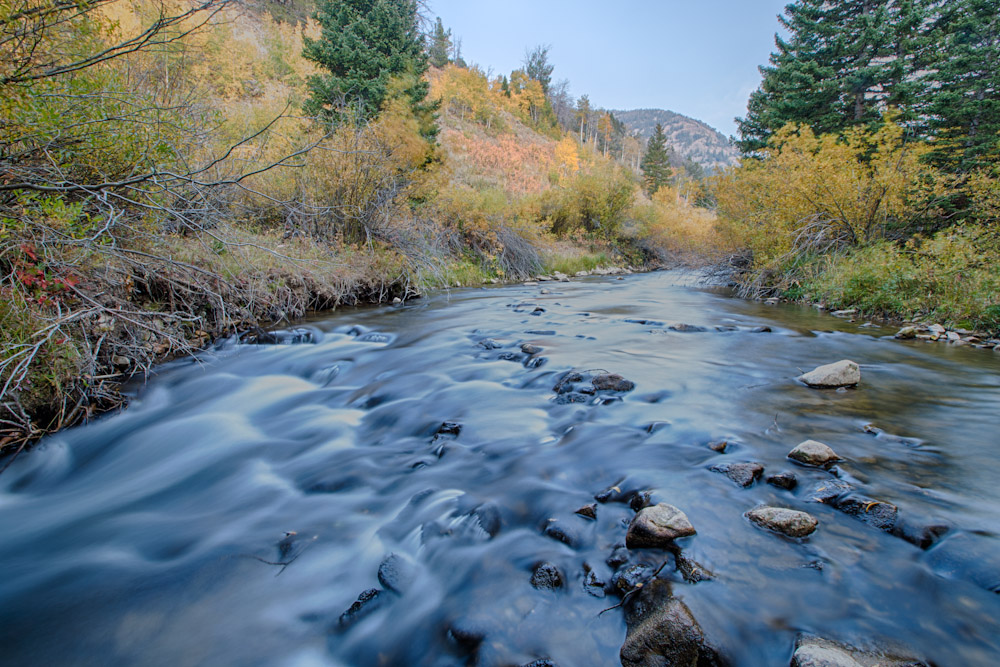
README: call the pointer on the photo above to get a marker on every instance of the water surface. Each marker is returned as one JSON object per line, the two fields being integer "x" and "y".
{"x": 157, "y": 536}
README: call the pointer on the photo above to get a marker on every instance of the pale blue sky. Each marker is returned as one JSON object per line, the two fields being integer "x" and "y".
{"x": 695, "y": 57}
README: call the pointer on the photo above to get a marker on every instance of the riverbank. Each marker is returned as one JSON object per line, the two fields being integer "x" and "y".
{"x": 909, "y": 329}
{"x": 119, "y": 320}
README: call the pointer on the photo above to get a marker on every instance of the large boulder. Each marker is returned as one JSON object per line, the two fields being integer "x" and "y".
{"x": 785, "y": 521}
{"x": 813, "y": 453}
{"x": 662, "y": 632}
{"x": 657, "y": 527}
{"x": 844, "y": 373}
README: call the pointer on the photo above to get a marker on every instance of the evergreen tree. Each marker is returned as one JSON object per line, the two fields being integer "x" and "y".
{"x": 363, "y": 45}
{"x": 844, "y": 63}
{"x": 655, "y": 164}
{"x": 963, "y": 103}
{"x": 440, "y": 47}
{"x": 537, "y": 66}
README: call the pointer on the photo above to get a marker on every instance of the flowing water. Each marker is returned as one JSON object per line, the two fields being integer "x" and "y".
{"x": 157, "y": 536}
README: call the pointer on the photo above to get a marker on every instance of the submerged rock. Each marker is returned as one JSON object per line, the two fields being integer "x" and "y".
{"x": 396, "y": 573}
{"x": 783, "y": 480}
{"x": 657, "y": 527}
{"x": 785, "y": 521}
{"x": 813, "y": 453}
{"x": 564, "y": 533}
{"x": 612, "y": 382}
{"x": 565, "y": 383}
{"x": 829, "y": 491}
{"x": 693, "y": 571}
{"x": 589, "y": 511}
{"x": 686, "y": 328}
{"x": 744, "y": 474}
{"x": 367, "y": 602}
{"x": 875, "y": 513}
{"x": 488, "y": 516}
{"x": 547, "y": 577}
{"x": 844, "y": 373}
{"x": 630, "y": 578}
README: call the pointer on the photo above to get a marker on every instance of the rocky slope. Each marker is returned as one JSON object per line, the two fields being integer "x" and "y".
{"x": 689, "y": 137}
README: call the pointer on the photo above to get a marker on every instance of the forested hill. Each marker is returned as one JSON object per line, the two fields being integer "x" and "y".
{"x": 689, "y": 137}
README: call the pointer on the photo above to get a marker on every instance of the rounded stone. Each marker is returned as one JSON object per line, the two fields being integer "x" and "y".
{"x": 657, "y": 527}
{"x": 845, "y": 373}
{"x": 792, "y": 523}
{"x": 813, "y": 453}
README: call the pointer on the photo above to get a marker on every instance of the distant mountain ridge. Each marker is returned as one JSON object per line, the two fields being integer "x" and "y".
{"x": 691, "y": 138}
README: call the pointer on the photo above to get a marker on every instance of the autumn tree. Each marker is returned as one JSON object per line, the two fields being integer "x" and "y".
{"x": 655, "y": 165}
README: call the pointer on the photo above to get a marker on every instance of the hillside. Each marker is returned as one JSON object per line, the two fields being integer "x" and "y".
{"x": 689, "y": 137}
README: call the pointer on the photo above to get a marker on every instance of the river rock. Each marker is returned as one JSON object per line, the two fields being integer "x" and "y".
{"x": 630, "y": 578}
{"x": 785, "y": 521}
{"x": 618, "y": 557}
{"x": 744, "y": 474}
{"x": 657, "y": 527}
{"x": 528, "y": 348}
{"x": 588, "y": 511}
{"x": 843, "y": 373}
{"x": 565, "y": 383}
{"x": 563, "y": 532}
{"x": 783, "y": 480}
{"x": 547, "y": 577}
{"x": 593, "y": 584}
{"x": 612, "y": 382}
{"x": 719, "y": 446}
{"x": 817, "y": 652}
{"x": 488, "y": 516}
{"x": 662, "y": 632}
{"x": 827, "y": 492}
{"x": 876, "y": 513}
{"x": 693, "y": 571}
{"x": 918, "y": 533}
{"x": 686, "y": 328}
{"x": 813, "y": 453}
{"x": 907, "y": 333}
{"x": 367, "y": 602}
{"x": 396, "y": 573}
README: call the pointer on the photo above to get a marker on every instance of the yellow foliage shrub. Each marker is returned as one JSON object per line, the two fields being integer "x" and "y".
{"x": 815, "y": 193}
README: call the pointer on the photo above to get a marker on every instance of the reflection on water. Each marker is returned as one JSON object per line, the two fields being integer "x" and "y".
{"x": 244, "y": 501}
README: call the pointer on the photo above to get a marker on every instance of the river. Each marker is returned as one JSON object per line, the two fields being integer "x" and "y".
{"x": 242, "y": 503}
